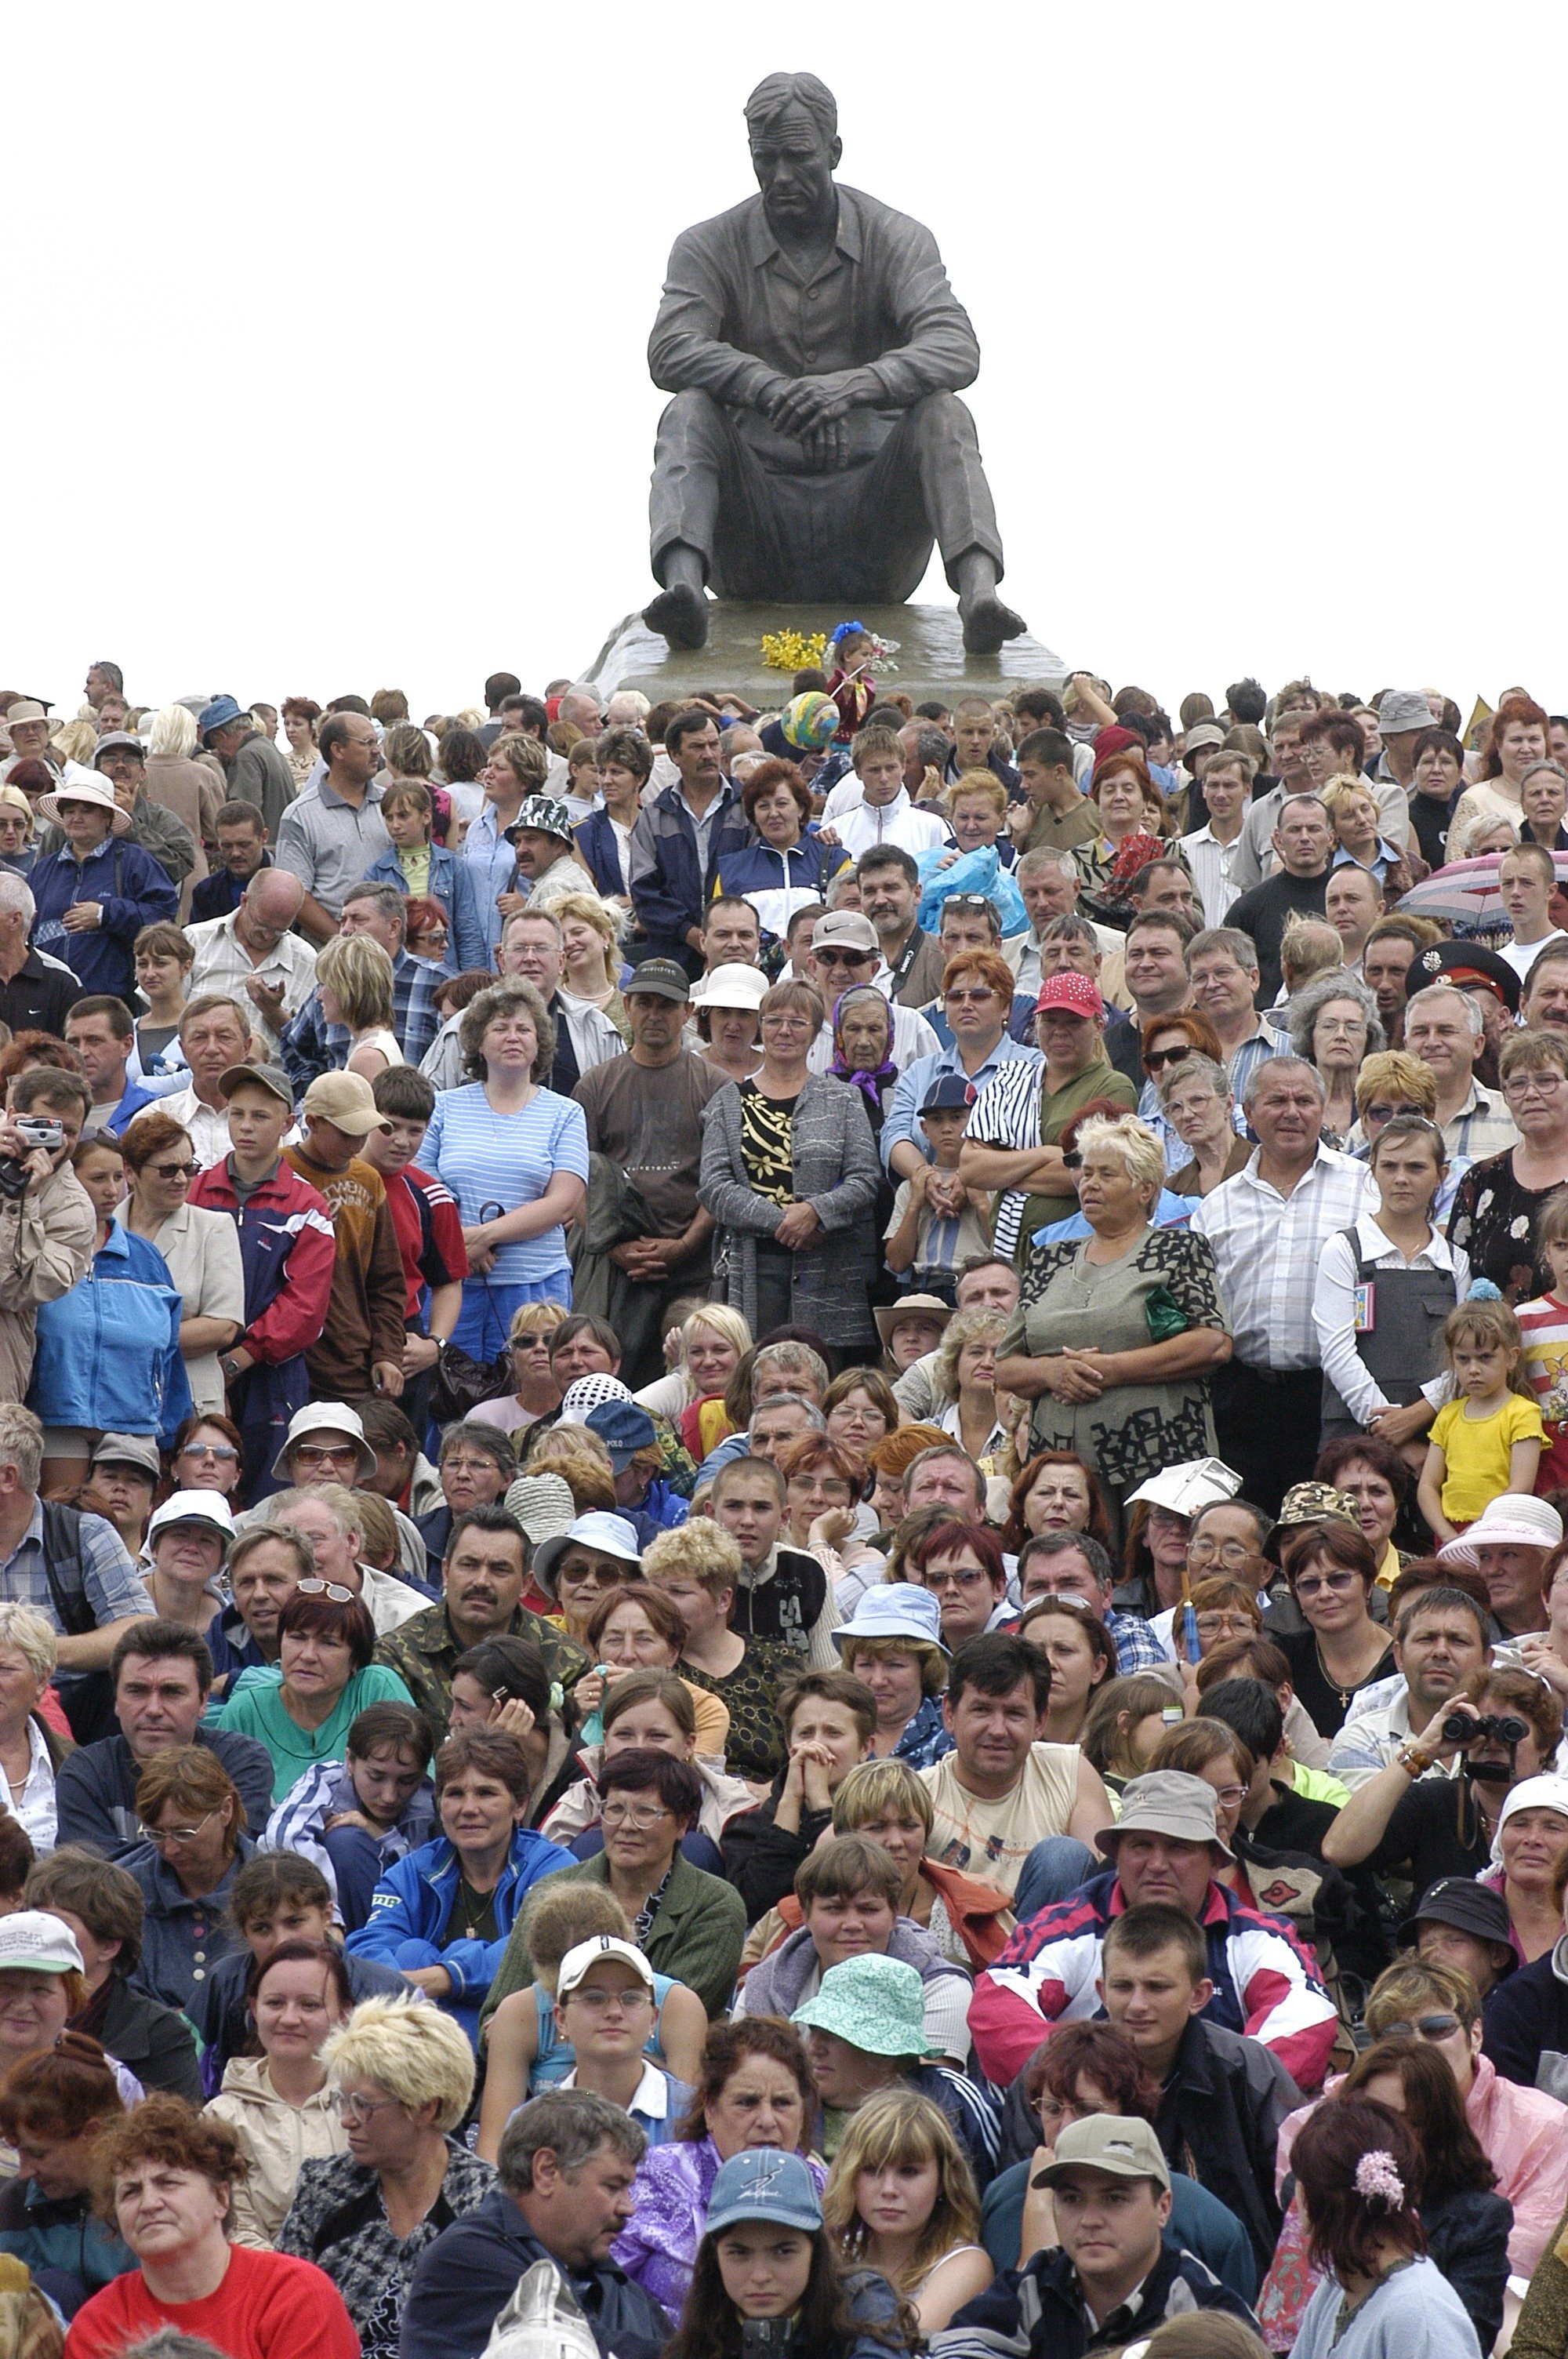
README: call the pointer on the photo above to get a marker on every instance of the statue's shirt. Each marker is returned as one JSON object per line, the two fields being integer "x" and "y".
{"x": 737, "y": 315}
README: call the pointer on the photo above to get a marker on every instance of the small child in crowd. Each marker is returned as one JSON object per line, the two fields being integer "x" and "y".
{"x": 1489, "y": 1438}
{"x": 919, "y": 1237}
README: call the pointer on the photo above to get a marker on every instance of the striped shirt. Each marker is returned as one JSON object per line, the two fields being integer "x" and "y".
{"x": 1007, "y": 1114}
{"x": 1482, "y": 1126}
{"x": 1267, "y": 1248}
{"x": 112, "y": 1586}
{"x": 1213, "y": 866}
{"x": 495, "y": 1162}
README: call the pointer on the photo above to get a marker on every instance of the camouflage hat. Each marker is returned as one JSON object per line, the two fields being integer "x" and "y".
{"x": 1311, "y": 1503}
{"x": 546, "y": 814}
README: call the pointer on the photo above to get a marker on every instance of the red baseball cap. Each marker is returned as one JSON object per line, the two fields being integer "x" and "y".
{"x": 1074, "y": 992}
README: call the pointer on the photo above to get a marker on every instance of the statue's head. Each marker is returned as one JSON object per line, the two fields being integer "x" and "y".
{"x": 792, "y": 122}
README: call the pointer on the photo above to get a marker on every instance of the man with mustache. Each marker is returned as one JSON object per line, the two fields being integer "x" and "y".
{"x": 487, "y": 1566}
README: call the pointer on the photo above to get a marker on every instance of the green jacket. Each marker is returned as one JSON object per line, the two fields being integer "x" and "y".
{"x": 424, "y": 1650}
{"x": 696, "y": 1937}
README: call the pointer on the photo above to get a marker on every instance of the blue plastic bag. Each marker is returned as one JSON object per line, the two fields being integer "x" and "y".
{"x": 972, "y": 872}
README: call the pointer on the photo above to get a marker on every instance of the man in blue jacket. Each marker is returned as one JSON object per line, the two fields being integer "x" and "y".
{"x": 442, "y": 1915}
{"x": 95, "y": 896}
{"x": 679, "y": 840}
{"x": 566, "y": 2166}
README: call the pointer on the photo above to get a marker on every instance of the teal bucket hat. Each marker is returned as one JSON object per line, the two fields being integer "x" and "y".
{"x": 875, "y": 2004}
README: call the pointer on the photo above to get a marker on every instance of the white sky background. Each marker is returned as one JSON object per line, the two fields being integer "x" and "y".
{"x": 336, "y": 375}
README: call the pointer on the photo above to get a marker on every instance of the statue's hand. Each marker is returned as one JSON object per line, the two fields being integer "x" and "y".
{"x": 810, "y": 403}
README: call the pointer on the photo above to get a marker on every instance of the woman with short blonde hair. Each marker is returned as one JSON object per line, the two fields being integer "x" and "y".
{"x": 353, "y": 975}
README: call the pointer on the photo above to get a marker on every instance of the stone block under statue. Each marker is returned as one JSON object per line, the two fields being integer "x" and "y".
{"x": 932, "y": 660}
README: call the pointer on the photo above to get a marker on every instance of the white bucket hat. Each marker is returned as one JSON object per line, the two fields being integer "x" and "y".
{"x": 1512, "y": 1519}
{"x": 80, "y": 786}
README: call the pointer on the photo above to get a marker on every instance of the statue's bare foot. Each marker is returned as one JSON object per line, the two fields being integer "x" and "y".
{"x": 988, "y": 622}
{"x": 680, "y": 615}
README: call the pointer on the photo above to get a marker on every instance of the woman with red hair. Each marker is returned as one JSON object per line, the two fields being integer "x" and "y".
{"x": 1519, "y": 736}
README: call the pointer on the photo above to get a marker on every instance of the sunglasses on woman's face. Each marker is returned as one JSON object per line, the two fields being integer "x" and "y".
{"x": 1307, "y": 1584}
{"x": 1427, "y": 2027}
{"x": 1155, "y": 1059}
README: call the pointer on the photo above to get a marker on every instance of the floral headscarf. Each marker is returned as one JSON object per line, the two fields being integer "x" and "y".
{"x": 869, "y": 1080}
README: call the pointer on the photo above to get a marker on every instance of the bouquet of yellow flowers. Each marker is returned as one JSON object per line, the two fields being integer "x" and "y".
{"x": 793, "y": 651}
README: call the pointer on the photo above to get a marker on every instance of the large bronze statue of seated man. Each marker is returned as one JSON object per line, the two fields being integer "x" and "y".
{"x": 816, "y": 446}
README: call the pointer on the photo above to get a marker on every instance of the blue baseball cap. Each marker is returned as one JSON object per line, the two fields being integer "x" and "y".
{"x": 623, "y": 1428}
{"x": 764, "y": 2184}
{"x": 949, "y": 1093}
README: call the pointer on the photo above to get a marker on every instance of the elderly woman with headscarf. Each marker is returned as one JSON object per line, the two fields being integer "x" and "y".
{"x": 1334, "y": 1025}
{"x": 862, "y": 1049}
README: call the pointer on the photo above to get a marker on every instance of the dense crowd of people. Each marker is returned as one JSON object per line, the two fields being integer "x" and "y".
{"x": 782, "y": 1552}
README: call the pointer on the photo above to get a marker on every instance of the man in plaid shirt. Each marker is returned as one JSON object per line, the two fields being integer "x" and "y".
{"x": 310, "y": 1046}
{"x": 1072, "y": 1564}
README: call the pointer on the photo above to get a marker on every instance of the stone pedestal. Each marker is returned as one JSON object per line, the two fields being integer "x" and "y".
{"x": 931, "y": 661}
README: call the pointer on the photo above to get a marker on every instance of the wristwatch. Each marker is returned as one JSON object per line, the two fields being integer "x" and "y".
{"x": 229, "y": 1368}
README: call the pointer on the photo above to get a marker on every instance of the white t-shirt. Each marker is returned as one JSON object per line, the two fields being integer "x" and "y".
{"x": 992, "y": 1840}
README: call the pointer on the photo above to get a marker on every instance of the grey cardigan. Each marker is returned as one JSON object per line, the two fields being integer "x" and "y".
{"x": 836, "y": 1171}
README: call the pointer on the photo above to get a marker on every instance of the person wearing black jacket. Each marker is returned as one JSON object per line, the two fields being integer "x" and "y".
{"x": 829, "y": 1719}
{"x": 162, "y": 1677}
{"x": 565, "y": 2169}
{"x": 1524, "y": 2024}
{"x": 1223, "y": 2097}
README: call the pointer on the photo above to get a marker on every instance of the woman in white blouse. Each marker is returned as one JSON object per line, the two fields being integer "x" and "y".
{"x": 201, "y": 1248}
{"x": 1383, "y": 1292}
{"x": 31, "y": 1753}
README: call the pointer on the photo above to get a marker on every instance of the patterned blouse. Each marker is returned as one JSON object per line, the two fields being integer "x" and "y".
{"x": 1494, "y": 1219}
{"x": 657, "y": 2249}
{"x": 1167, "y": 1283}
{"x": 766, "y": 1144}
{"x": 754, "y": 1747}
{"x": 337, "y": 2220}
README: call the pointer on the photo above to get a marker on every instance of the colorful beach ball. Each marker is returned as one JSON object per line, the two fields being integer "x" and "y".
{"x": 811, "y": 721}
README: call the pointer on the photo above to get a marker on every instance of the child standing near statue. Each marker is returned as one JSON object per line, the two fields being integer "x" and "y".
{"x": 849, "y": 683}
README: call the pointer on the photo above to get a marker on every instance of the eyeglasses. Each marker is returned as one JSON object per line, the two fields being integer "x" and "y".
{"x": 1383, "y": 1112}
{"x": 954, "y": 1577}
{"x": 1427, "y": 2027}
{"x": 324, "y": 1453}
{"x": 223, "y": 1452}
{"x": 599, "y": 2001}
{"x": 1155, "y": 1059}
{"x": 1307, "y": 1584}
{"x": 327, "y": 1589}
{"x": 1227, "y": 1551}
{"x": 615, "y": 1815}
{"x": 176, "y": 1171}
{"x": 160, "y": 1840}
{"x": 968, "y": 998}
{"x": 1231, "y": 1795}
{"x": 1519, "y": 1085}
{"x": 1219, "y": 1625}
{"x": 351, "y": 2108}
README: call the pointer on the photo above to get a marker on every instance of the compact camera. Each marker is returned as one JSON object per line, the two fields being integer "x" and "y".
{"x": 37, "y": 1131}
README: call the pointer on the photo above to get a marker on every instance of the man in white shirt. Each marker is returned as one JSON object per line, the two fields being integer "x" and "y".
{"x": 1050, "y": 880}
{"x": 1527, "y": 879}
{"x": 875, "y": 806}
{"x": 1440, "y": 1640}
{"x": 1210, "y": 851}
{"x": 252, "y": 956}
{"x": 1268, "y": 1228}
{"x": 215, "y": 1034}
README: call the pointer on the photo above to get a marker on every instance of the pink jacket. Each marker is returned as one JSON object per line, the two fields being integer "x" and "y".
{"x": 1524, "y": 2135}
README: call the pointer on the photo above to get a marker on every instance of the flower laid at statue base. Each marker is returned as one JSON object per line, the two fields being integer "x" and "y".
{"x": 793, "y": 651}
